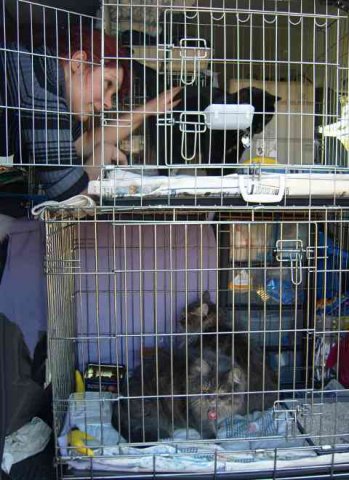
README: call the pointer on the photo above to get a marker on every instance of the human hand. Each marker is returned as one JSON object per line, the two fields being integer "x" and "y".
{"x": 112, "y": 155}
{"x": 164, "y": 102}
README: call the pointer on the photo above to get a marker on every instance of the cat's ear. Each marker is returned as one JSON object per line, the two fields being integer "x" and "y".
{"x": 236, "y": 375}
{"x": 206, "y": 297}
{"x": 204, "y": 309}
{"x": 205, "y": 368}
{"x": 201, "y": 367}
{"x": 201, "y": 310}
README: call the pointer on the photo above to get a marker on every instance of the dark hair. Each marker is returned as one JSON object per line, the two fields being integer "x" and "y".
{"x": 90, "y": 41}
{"x": 68, "y": 39}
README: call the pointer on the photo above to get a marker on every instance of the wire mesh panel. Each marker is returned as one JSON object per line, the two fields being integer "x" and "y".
{"x": 201, "y": 344}
{"x": 41, "y": 101}
{"x": 60, "y": 269}
{"x": 262, "y": 98}
{"x": 280, "y": 58}
{"x": 178, "y": 100}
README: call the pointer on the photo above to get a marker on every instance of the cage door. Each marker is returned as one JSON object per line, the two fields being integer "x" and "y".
{"x": 269, "y": 272}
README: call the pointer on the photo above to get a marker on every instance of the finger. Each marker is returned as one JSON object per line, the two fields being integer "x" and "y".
{"x": 119, "y": 157}
{"x": 176, "y": 89}
{"x": 177, "y": 102}
{"x": 172, "y": 92}
{"x": 174, "y": 103}
{"x": 122, "y": 160}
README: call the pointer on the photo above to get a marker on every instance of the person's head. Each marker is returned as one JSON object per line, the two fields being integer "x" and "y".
{"x": 80, "y": 54}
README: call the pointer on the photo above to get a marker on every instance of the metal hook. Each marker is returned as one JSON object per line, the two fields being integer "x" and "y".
{"x": 295, "y": 23}
{"x": 195, "y": 14}
{"x": 296, "y": 265}
{"x": 183, "y": 153}
{"x": 241, "y": 20}
{"x": 185, "y": 77}
{"x": 217, "y": 19}
{"x": 269, "y": 22}
{"x": 321, "y": 25}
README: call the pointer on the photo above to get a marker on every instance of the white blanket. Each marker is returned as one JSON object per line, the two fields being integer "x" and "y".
{"x": 92, "y": 413}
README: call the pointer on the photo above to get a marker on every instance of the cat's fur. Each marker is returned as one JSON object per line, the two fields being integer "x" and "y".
{"x": 199, "y": 403}
{"x": 207, "y": 381}
{"x": 203, "y": 316}
{"x": 214, "y": 146}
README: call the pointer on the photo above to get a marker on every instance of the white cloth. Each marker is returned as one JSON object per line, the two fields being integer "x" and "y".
{"x": 78, "y": 207}
{"x": 123, "y": 183}
{"x": 267, "y": 187}
{"x": 29, "y": 440}
{"x": 91, "y": 413}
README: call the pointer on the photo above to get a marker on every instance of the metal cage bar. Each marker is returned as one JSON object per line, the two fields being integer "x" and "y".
{"x": 137, "y": 311}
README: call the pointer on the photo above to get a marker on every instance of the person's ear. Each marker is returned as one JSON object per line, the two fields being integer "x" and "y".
{"x": 78, "y": 58}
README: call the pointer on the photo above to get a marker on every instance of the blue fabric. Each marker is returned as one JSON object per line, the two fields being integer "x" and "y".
{"x": 252, "y": 431}
{"x": 332, "y": 261}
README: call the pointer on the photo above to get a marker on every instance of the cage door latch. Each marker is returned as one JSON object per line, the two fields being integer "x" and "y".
{"x": 287, "y": 411}
{"x": 191, "y": 124}
{"x": 291, "y": 252}
{"x": 190, "y": 52}
{"x": 253, "y": 189}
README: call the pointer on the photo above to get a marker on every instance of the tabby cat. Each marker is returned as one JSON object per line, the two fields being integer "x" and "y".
{"x": 203, "y": 316}
{"x": 170, "y": 402}
{"x": 204, "y": 381}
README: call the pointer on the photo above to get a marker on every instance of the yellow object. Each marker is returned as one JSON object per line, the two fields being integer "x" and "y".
{"x": 345, "y": 142}
{"x": 79, "y": 382}
{"x": 263, "y": 294}
{"x": 241, "y": 282}
{"x": 261, "y": 160}
{"x": 77, "y": 439}
{"x": 342, "y": 323}
{"x": 339, "y": 129}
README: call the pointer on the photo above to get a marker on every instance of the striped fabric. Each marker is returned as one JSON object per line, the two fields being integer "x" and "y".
{"x": 36, "y": 125}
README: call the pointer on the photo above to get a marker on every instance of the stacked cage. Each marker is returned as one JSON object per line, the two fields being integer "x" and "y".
{"x": 197, "y": 312}
{"x": 173, "y": 360}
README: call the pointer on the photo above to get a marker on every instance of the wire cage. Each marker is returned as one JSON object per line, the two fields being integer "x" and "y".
{"x": 263, "y": 94}
{"x": 205, "y": 345}
{"x": 186, "y": 337}
{"x": 260, "y": 118}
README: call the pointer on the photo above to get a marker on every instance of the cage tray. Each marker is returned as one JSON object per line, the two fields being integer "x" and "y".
{"x": 264, "y": 188}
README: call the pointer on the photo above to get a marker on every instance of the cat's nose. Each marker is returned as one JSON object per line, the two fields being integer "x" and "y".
{"x": 213, "y": 405}
{"x": 212, "y": 414}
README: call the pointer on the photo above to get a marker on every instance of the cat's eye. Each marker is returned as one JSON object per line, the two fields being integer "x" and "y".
{"x": 205, "y": 388}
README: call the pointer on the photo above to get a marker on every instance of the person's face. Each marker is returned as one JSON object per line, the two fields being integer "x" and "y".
{"x": 87, "y": 92}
